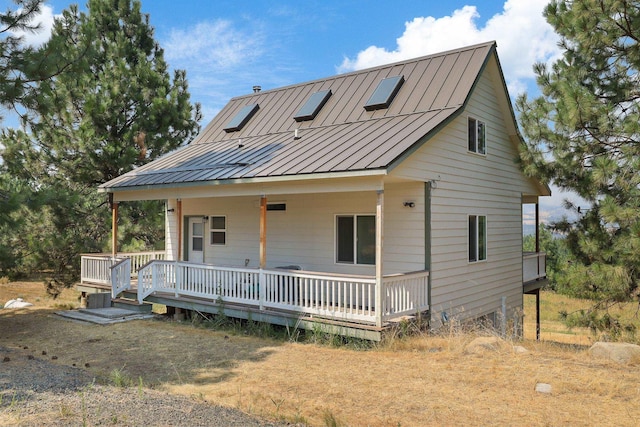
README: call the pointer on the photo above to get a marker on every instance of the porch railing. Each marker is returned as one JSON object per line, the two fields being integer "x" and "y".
{"x": 404, "y": 294}
{"x": 120, "y": 276}
{"x": 96, "y": 268}
{"x": 534, "y": 266}
{"x": 322, "y": 294}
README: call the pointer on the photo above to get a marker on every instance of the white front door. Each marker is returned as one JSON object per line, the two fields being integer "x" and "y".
{"x": 196, "y": 239}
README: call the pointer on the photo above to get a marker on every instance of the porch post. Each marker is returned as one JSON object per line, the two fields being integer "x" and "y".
{"x": 262, "y": 283}
{"x": 379, "y": 247}
{"x": 114, "y": 226}
{"x": 179, "y": 224}
{"x": 263, "y": 231}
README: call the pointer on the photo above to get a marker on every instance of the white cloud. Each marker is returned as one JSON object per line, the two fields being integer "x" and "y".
{"x": 45, "y": 20}
{"x": 216, "y": 44}
{"x": 522, "y": 34}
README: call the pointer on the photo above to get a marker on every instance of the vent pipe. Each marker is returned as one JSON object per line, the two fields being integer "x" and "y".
{"x": 257, "y": 89}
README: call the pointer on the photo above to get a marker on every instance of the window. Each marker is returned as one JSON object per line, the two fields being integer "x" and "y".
{"x": 218, "y": 230}
{"x": 477, "y": 136}
{"x": 356, "y": 239}
{"x": 477, "y": 238}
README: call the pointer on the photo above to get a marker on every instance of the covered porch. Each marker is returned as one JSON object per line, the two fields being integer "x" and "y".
{"x": 287, "y": 297}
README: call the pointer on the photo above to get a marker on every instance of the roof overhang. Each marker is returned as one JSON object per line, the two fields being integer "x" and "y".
{"x": 366, "y": 180}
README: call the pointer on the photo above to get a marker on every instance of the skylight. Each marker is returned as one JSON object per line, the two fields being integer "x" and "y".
{"x": 313, "y": 106}
{"x": 384, "y": 93}
{"x": 241, "y": 119}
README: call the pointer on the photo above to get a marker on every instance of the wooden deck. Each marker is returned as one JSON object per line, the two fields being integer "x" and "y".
{"x": 339, "y": 304}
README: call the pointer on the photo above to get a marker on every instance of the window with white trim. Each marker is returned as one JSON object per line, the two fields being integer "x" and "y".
{"x": 477, "y": 238}
{"x": 218, "y": 230}
{"x": 356, "y": 239}
{"x": 477, "y": 136}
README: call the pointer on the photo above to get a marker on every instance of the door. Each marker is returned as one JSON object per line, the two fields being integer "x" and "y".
{"x": 196, "y": 239}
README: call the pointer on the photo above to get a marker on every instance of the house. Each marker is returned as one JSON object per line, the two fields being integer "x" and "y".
{"x": 346, "y": 202}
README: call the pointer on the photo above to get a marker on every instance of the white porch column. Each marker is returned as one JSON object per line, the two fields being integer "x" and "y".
{"x": 171, "y": 232}
{"x": 262, "y": 283}
{"x": 379, "y": 250}
{"x": 179, "y": 222}
{"x": 114, "y": 225}
{"x": 263, "y": 231}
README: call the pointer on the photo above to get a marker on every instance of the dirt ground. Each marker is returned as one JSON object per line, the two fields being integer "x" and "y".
{"x": 427, "y": 380}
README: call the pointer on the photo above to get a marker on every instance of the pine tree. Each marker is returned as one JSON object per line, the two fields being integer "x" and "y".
{"x": 13, "y": 53}
{"x": 583, "y": 133}
{"x": 113, "y": 106}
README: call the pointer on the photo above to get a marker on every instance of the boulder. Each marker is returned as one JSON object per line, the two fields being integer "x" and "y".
{"x": 518, "y": 349}
{"x": 543, "y": 388}
{"x": 482, "y": 344}
{"x": 620, "y": 352}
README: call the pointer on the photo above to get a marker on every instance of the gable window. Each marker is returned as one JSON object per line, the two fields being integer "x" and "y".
{"x": 477, "y": 141}
{"x": 218, "y": 230}
{"x": 477, "y": 238}
{"x": 356, "y": 239}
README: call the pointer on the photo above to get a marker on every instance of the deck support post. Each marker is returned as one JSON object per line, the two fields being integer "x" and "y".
{"x": 114, "y": 225}
{"x": 379, "y": 247}
{"x": 538, "y": 314}
{"x": 537, "y": 219}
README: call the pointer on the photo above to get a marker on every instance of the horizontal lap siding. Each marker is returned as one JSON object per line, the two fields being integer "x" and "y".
{"x": 243, "y": 229}
{"x": 466, "y": 184}
{"x": 304, "y": 234}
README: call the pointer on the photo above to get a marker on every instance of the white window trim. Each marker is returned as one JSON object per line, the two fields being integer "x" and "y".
{"x": 211, "y": 230}
{"x": 355, "y": 240}
{"x": 477, "y": 247}
{"x": 470, "y": 117}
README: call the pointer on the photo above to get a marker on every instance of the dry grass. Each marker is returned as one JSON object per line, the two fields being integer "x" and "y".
{"x": 424, "y": 380}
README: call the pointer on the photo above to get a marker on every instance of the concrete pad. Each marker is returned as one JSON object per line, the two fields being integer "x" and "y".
{"x": 103, "y": 316}
{"x": 108, "y": 312}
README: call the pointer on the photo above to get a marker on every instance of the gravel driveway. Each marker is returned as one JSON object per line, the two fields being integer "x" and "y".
{"x": 36, "y": 392}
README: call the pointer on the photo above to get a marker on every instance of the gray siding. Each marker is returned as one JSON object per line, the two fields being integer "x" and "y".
{"x": 471, "y": 184}
{"x": 304, "y": 234}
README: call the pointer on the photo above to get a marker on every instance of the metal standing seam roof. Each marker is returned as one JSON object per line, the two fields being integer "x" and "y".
{"x": 342, "y": 137}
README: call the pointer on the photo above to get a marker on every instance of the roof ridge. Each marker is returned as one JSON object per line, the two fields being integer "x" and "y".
{"x": 369, "y": 69}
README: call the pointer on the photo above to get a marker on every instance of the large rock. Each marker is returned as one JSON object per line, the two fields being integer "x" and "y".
{"x": 482, "y": 344}
{"x": 620, "y": 352}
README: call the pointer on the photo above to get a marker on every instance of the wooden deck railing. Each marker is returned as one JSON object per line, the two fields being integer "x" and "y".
{"x": 534, "y": 266}
{"x": 404, "y": 294}
{"x": 120, "y": 276}
{"x": 96, "y": 268}
{"x": 322, "y": 294}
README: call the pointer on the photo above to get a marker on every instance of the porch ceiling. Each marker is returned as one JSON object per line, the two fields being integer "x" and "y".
{"x": 334, "y": 183}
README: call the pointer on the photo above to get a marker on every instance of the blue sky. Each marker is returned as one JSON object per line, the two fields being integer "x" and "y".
{"x": 229, "y": 46}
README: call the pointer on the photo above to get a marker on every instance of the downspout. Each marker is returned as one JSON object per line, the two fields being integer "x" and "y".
{"x": 379, "y": 247}
{"x": 427, "y": 240}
